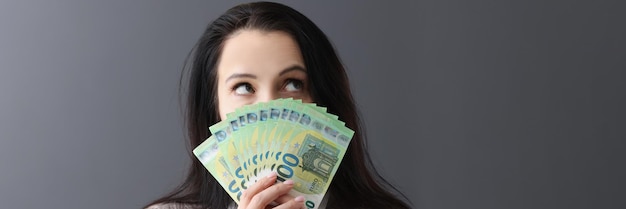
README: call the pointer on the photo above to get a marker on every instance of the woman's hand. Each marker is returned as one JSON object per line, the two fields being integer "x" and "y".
{"x": 264, "y": 192}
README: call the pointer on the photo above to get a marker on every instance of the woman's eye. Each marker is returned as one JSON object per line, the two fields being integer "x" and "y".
{"x": 243, "y": 89}
{"x": 293, "y": 85}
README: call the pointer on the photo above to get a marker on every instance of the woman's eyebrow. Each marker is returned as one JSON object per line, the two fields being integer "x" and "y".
{"x": 292, "y": 68}
{"x": 240, "y": 75}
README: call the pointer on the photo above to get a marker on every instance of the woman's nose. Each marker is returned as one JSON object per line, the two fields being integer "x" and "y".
{"x": 267, "y": 96}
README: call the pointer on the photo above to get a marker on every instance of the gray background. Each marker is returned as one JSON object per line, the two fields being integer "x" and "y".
{"x": 467, "y": 104}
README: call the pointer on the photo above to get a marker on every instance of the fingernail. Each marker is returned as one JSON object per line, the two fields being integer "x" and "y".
{"x": 272, "y": 175}
{"x": 288, "y": 182}
{"x": 299, "y": 199}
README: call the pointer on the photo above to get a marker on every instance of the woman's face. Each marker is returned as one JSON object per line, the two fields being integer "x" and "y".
{"x": 259, "y": 66}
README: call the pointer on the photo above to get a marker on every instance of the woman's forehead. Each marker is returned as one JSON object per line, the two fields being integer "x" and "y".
{"x": 259, "y": 52}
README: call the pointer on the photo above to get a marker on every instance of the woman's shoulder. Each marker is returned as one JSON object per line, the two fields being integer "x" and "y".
{"x": 170, "y": 206}
{"x": 179, "y": 206}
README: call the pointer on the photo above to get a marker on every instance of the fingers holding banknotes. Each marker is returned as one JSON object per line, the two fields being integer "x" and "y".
{"x": 264, "y": 194}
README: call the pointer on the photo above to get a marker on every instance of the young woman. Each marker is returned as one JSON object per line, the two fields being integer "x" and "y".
{"x": 258, "y": 52}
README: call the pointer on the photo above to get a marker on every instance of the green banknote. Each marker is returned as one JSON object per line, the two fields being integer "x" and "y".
{"x": 312, "y": 154}
{"x": 213, "y": 160}
{"x": 298, "y": 141}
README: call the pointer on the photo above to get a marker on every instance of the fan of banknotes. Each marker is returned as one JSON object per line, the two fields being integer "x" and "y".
{"x": 298, "y": 141}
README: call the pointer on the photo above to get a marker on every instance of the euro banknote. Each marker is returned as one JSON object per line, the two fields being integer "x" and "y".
{"x": 297, "y": 141}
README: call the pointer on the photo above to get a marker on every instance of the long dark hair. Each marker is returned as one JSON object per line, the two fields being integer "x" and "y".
{"x": 356, "y": 183}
